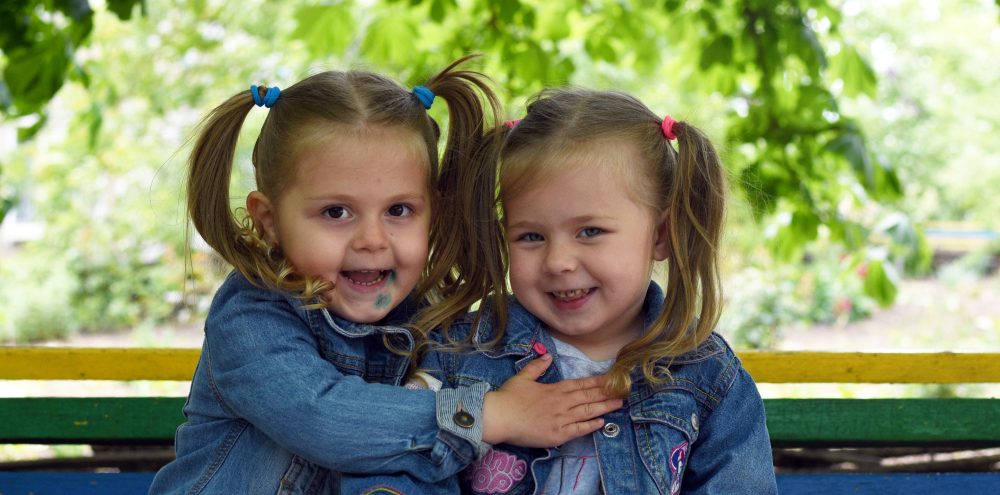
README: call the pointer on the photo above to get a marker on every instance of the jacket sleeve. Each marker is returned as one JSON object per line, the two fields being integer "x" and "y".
{"x": 265, "y": 367}
{"x": 393, "y": 484}
{"x": 732, "y": 453}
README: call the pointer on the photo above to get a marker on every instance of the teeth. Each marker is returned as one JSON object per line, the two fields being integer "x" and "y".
{"x": 570, "y": 294}
{"x": 376, "y": 280}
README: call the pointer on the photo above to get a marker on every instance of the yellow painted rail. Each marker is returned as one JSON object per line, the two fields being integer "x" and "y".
{"x": 48, "y": 363}
{"x": 863, "y": 367}
{"x": 79, "y": 363}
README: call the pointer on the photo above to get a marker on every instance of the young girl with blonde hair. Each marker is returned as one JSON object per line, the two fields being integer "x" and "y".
{"x": 593, "y": 193}
{"x": 297, "y": 380}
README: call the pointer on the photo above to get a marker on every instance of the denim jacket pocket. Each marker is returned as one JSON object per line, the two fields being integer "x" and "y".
{"x": 304, "y": 478}
{"x": 666, "y": 426}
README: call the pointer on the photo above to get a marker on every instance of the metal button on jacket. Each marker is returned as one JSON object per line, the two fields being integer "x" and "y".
{"x": 611, "y": 430}
{"x": 462, "y": 417}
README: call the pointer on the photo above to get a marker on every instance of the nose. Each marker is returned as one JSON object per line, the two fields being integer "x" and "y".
{"x": 560, "y": 259}
{"x": 370, "y": 236}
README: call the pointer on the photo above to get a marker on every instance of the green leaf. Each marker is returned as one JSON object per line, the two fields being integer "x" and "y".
{"x": 851, "y": 146}
{"x": 805, "y": 223}
{"x": 879, "y": 284}
{"x": 123, "y": 8}
{"x": 35, "y": 74}
{"x": 437, "y": 10}
{"x": 382, "y": 41}
{"x": 508, "y": 9}
{"x": 531, "y": 63}
{"x": 5, "y": 98}
{"x": 326, "y": 29}
{"x": 598, "y": 48}
{"x": 850, "y": 67}
{"x": 80, "y": 30}
{"x": 77, "y": 10}
{"x": 26, "y": 133}
{"x": 719, "y": 51}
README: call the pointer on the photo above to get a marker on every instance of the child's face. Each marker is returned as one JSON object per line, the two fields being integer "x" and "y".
{"x": 581, "y": 255}
{"x": 356, "y": 214}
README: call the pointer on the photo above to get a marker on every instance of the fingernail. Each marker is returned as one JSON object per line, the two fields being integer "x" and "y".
{"x": 540, "y": 348}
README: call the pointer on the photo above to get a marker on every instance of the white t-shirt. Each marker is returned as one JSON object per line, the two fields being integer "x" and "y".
{"x": 575, "y": 471}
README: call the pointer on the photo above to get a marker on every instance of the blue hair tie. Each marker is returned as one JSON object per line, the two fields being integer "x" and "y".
{"x": 425, "y": 96}
{"x": 270, "y": 96}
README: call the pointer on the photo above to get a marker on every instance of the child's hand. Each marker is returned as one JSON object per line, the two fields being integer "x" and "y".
{"x": 531, "y": 414}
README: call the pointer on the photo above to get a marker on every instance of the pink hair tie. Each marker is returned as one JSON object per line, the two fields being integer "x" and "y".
{"x": 668, "y": 128}
{"x": 510, "y": 124}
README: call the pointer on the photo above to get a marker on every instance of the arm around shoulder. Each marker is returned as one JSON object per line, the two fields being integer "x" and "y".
{"x": 266, "y": 367}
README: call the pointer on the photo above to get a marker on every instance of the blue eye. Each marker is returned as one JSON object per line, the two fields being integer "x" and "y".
{"x": 531, "y": 237}
{"x": 399, "y": 210}
{"x": 591, "y": 232}
{"x": 336, "y": 212}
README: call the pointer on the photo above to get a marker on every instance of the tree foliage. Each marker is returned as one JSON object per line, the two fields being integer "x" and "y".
{"x": 39, "y": 41}
{"x": 769, "y": 79}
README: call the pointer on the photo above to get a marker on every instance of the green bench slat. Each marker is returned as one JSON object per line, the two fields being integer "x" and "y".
{"x": 878, "y": 422}
{"x": 51, "y": 420}
{"x": 791, "y": 422}
{"x": 55, "y": 483}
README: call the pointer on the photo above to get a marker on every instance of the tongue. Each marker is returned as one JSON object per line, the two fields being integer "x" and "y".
{"x": 364, "y": 277}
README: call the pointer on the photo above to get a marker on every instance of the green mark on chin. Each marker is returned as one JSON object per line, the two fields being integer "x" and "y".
{"x": 382, "y": 301}
{"x": 392, "y": 276}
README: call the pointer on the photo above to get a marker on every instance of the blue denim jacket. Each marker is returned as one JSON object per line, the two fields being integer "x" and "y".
{"x": 285, "y": 399}
{"x": 701, "y": 432}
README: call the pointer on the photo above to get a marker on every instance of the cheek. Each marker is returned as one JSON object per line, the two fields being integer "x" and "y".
{"x": 521, "y": 270}
{"x": 413, "y": 246}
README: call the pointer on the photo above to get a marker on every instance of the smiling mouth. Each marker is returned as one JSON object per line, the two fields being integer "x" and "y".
{"x": 366, "y": 278}
{"x": 571, "y": 295}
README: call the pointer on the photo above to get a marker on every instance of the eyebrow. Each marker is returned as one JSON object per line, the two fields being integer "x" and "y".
{"x": 528, "y": 224}
{"x": 349, "y": 197}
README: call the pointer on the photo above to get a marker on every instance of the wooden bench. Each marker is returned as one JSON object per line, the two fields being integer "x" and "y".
{"x": 793, "y": 423}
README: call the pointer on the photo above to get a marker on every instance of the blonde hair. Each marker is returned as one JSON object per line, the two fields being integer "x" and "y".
{"x": 326, "y": 102}
{"x": 688, "y": 184}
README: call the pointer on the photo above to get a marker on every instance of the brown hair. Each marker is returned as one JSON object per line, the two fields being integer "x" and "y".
{"x": 323, "y": 103}
{"x": 688, "y": 184}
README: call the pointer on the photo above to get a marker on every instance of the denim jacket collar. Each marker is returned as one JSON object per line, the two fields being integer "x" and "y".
{"x": 525, "y": 329}
{"x": 394, "y": 322}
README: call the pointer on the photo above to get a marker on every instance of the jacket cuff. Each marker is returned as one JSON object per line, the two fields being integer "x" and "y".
{"x": 460, "y": 414}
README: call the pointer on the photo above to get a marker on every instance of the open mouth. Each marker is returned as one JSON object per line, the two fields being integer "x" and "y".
{"x": 571, "y": 295}
{"x": 366, "y": 278}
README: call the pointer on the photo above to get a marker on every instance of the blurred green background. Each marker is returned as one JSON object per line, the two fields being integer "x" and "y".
{"x": 860, "y": 137}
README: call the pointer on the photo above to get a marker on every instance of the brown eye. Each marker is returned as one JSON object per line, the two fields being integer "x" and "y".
{"x": 399, "y": 210}
{"x": 336, "y": 212}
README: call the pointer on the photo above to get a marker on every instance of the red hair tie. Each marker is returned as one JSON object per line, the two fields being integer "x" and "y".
{"x": 510, "y": 124}
{"x": 668, "y": 128}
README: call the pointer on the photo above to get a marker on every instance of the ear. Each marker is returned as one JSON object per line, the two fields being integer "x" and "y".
{"x": 661, "y": 237}
{"x": 262, "y": 212}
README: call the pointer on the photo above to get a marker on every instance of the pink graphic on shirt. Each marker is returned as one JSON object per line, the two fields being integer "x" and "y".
{"x": 677, "y": 457}
{"x": 497, "y": 472}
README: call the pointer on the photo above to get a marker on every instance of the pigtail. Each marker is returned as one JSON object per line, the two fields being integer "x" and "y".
{"x": 695, "y": 206}
{"x": 211, "y": 167}
{"x": 235, "y": 239}
{"x": 467, "y": 262}
{"x": 696, "y": 212}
